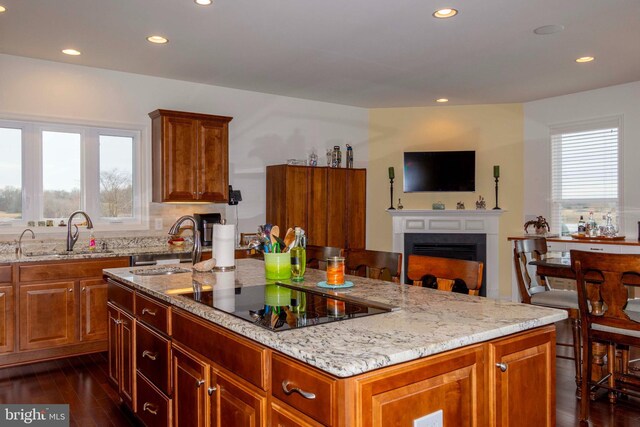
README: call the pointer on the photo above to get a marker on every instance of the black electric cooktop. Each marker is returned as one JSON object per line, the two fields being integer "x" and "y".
{"x": 280, "y": 307}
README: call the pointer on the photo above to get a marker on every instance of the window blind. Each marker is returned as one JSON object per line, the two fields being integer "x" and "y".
{"x": 585, "y": 173}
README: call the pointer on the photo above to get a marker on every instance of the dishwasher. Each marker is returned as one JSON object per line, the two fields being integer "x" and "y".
{"x": 159, "y": 259}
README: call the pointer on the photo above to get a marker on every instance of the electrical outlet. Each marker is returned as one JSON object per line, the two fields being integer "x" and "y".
{"x": 158, "y": 224}
{"x": 433, "y": 419}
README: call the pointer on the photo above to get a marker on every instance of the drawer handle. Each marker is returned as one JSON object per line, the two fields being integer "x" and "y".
{"x": 150, "y": 354}
{"x": 503, "y": 367}
{"x": 210, "y": 390}
{"x": 288, "y": 391}
{"x": 597, "y": 249}
{"x": 148, "y": 311}
{"x": 199, "y": 383}
{"x": 149, "y": 407}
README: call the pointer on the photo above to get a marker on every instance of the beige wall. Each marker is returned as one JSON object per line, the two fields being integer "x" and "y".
{"x": 495, "y": 132}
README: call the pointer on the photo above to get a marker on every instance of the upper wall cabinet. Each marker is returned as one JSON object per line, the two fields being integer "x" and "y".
{"x": 190, "y": 156}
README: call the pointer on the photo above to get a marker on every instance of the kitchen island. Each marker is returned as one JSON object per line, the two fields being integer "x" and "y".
{"x": 468, "y": 356}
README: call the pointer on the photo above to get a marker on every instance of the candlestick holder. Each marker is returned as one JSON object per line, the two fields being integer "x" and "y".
{"x": 391, "y": 208}
{"x": 496, "y": 208}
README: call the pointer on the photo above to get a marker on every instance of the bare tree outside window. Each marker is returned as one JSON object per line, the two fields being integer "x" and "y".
{"x": 116, "y": 193}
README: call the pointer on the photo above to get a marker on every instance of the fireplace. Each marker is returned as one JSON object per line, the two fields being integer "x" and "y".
{"x": 463, "y": 234}
{"x": 470, "y": 247}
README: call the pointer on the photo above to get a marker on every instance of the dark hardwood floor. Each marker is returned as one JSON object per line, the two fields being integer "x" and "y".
{"x": 626, "y": 413}
{"x": 82, "y": 382}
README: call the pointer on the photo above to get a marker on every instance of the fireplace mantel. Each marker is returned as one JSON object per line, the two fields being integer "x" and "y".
{"x": 453, "y": 222}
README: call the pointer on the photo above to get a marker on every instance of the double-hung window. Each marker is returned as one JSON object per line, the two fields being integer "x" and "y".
{"x": 49, "y": 170}
{"x": 586, "y": 173}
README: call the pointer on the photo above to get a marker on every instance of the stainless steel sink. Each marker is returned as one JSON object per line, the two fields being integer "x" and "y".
{"x": 159, "y": 271}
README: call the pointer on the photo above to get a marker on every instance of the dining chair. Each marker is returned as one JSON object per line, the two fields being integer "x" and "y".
{"x": 379, "y": 265}
{"x": 445, "y": 274}
{"x": 535, "y": 290}
{"x": 317, "y": 255}
{"x": 603, "y": 281}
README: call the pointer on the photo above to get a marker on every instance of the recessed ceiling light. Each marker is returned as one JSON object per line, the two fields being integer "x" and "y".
{"x": 548, "y": 29}
{"x": 585, "y": 59}
{"x": 157, "y": 39}
{"x": 2, "y": 9}
{"x": 445, "y": 13}
{"x": 72, "y": 52}
{"x": 203, "y": 2}
{"x": 442, "y": 100}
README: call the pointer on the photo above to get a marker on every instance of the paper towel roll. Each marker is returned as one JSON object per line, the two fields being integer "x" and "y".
{"x": 224, "y": 245}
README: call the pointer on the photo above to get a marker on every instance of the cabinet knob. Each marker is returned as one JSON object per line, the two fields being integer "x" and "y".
{"x": 70, "y": 289}
{"x": 210, "y": 390}
{"x": 502, "y": 366}
{"x": 84, "y": 288}
{"x": 148, "y": 311}
{"x": 117, "y": 322}
{"x": 199, "y": 383}
{"x": 150, "y": 354}
{"x": 288, "y": 391}
{"x": 150, "y": 407}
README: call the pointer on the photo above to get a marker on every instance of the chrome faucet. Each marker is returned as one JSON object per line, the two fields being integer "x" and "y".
{"x": 196, "y": 252}
{"x": 19, "y": 248}
{"x": 72, "y": 238}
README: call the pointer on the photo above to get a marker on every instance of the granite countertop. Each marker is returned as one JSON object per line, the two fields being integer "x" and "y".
{"x": 55, "y": 250}
{"x": 427, "y": 323}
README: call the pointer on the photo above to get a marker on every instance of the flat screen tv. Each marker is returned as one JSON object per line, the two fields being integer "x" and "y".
{"x": 439, "y": 171}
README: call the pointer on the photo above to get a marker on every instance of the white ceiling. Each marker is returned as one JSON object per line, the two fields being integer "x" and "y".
{"x": 367, "y": 53}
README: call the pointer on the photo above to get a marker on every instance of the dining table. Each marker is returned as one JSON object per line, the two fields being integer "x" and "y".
{"x": 555, "y": 267}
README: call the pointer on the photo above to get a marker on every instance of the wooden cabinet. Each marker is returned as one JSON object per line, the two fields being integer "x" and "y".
{"x": 7, "y": 311}
{"x": 191, "y": 383}
{"x": 190, "y": 157}
{"x": 306, "y": 389}
{"x": 93, "y": 310}
{"x": 122, "y": 362}
{"x": 154, "y": 408}
{"x": 329, "y": 203}
{"x": 522, "y": 379}
{"x": 453, "y": 383}
{"x": 57, "y": 308}
{"x": 234, "y": 403}
{"x": 47, "y": 315}
{"x": 208, "y": 396}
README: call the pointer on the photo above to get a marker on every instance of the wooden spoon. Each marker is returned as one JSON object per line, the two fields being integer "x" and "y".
{"x": 275, "y": 232}
{"x": 290, "y": 237}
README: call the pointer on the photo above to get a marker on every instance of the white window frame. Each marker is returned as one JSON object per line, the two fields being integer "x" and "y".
{"x": 584, "y": 126}
{"x": 32, "y": 186}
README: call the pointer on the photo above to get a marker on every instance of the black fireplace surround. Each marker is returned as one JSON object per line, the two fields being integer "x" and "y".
{"x": 471, "y": 247}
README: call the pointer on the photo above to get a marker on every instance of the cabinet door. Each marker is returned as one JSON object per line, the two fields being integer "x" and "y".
{"x": 114, "y": 343}
{"x": 233, "y": 404}
{"x": 179, "y": 159}
{"x": 191, "y": 381}
{"x": 451, "y": 383}
{"x": 7, "y": 315}
{"x": 356, "y": 207}
{"x": 296, "y": 198}
{"x": 127, "y": 385}
{"x": 213, "y": 161}
{"x": 47, "y": 315}
{"x": 522, "y": 373}
{"x": 337, "y": 207}
{"x": 317, "y": 207}
{"x": 93, "y": 310}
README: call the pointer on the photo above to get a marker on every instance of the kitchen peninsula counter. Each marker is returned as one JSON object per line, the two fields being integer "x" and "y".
{"x": 428, "y": 321}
